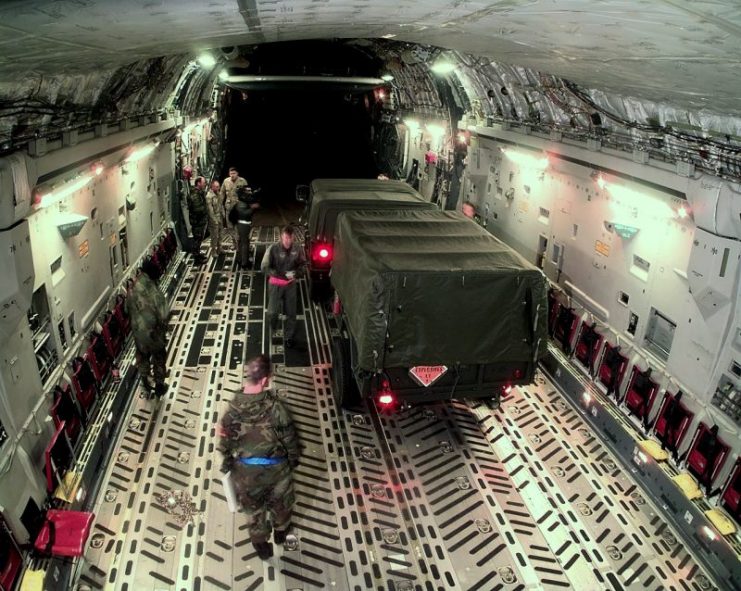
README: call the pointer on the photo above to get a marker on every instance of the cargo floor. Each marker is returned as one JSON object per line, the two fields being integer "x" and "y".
{"x": 449, "y": 496}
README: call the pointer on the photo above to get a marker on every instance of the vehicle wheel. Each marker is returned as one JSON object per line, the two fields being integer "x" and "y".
{"x": 344, "y": 387}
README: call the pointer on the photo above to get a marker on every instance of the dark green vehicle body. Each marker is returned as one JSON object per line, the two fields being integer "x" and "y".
{"x": 330, "y": 197}
{"x": 432, "y": 288}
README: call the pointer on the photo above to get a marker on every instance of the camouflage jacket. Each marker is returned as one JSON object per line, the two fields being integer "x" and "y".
{"x": 197, "y": 208}
{"x": 215, "y": 207}
{"x": 148, "y": 311}
{"x": 228, "y": 192}
{"x": 259, "y": 425}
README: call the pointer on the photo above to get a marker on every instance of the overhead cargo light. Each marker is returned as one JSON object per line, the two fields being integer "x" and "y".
{"x": 442, "y": 67}
{"x": 436, "y": 131}
{"x": 527, "y": 160}
{"x": 412, "y": 124}
{"x": 64, "y": 191}
{"x": 207, "y": 60}
{"x": 387, "y": 77}
{"x": 141, "y": 152}
{"x": 224, "y": 75}
{"x": 627, "y": 203}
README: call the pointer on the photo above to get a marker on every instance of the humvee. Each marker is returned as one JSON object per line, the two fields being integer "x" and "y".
{"x": 431, "y": 307}
{"x": 329, "y": 197}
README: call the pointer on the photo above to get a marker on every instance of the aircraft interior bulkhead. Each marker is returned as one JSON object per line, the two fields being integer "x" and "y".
{"x": 596, "y": 149}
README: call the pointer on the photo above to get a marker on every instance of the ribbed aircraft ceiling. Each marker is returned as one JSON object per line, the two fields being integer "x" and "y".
{"x": 686, "y": 53}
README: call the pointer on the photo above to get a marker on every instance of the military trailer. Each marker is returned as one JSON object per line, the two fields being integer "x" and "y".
{"x": 327, "y": 199}
{"x": 432, "y": 308}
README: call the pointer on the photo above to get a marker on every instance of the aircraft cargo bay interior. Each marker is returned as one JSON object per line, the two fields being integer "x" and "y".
{"x": 368, "y": 296}
{"x": 447, "y": 496}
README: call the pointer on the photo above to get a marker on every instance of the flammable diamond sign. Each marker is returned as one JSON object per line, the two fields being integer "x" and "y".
{"x": 427, "y": 375}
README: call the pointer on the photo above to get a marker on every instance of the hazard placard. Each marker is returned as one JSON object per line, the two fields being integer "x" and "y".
{"x": 427, "y": 375}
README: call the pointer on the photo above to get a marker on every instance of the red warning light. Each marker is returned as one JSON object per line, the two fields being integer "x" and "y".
{"x": 321, "y": 253}
{"x": 386, "y": 399}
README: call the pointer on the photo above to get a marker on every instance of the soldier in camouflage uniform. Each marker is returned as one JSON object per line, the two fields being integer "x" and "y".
{"x": 198, "y": 215}
{"x": 229, "y": 198}
{"x": 149, "y": 311}
{"x": 216, "y": 217}
{"x": 261, "y": 448}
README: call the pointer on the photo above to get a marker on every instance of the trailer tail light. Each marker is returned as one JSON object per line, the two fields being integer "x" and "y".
{"x": 518, "y": 374}
{"x": 386, "y": 397}
{"x": 321, "y": 253}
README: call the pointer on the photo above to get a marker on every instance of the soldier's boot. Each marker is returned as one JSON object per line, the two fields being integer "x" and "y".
{"x": 160, "y": 390}
{"x": 147, "y": 384}
{"x": 280, "y": 536}
{"x": 264, "y": 549}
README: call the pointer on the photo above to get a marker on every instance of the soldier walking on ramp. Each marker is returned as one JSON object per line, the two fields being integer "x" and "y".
{"x": 229, "y": 197}
{"x": 149, "y": 311}
{"x": 283, "y": 263}
{"x": 216, "y": 217}
{"x": 261, "y": 448}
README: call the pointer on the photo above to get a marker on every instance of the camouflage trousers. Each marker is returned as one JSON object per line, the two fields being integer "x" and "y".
{"x": 261, "y": 490}
{"x": 146, "y": 362}
{"x": 216, "y": 231}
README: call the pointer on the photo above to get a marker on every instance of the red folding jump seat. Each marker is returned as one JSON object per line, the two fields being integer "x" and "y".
{"x": 587, "y": 346}
{"x": 64, "y": 533}
{"x": 612, "y": 368}
{"x": 112, "y": 333}
{"x": 84, "y": 384}
{"x": 564, "y": 328}
{"x": 706, "y": 456}
{"x": 123, "y": 318}
{"x": 671, "y": 423}
{"x": 731, "y": 497}
{"x": 640, "y": 393}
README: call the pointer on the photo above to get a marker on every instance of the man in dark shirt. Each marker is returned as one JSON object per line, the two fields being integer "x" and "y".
{"x": 283, "y": 263}
{"x": 241, "y": 217}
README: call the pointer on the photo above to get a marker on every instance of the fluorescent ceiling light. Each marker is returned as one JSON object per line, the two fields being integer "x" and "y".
{"x": 141, "y": 152}
{"x": 207, "y": 60}
{"x": 442, "y": 67}
{"x": 527, "y": 160}
{"x": 223, "y": 75}
{"x": 65, "y": 190}
{"x": 387, "y": 77}
{"x": 435, "y": 130}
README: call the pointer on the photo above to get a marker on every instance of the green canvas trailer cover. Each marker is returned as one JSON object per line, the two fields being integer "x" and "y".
{"x": 434, "y": 288}
{"x": 329, "y": 197}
